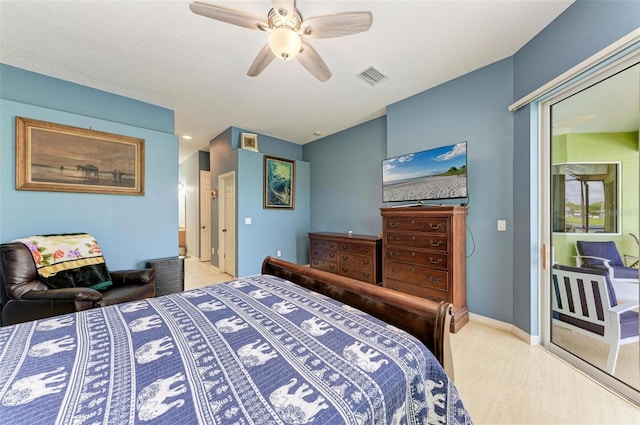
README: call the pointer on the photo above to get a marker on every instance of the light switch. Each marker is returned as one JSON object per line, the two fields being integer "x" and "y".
{"x": 247, "y": 220}
{"x": 502, "y": 225}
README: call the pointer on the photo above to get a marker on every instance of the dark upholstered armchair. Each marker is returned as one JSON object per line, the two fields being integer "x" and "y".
{"x": 604, "y": 256}
{"x": 24, "y": 296}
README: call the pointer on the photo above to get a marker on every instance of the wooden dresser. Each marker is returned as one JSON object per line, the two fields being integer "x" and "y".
{"x": 424, "y": 254}
{"x": 355, "y": 256}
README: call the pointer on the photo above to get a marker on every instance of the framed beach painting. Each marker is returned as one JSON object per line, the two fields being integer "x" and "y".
{"x": 279, "y": 182}
{"x": 60, "y": 158}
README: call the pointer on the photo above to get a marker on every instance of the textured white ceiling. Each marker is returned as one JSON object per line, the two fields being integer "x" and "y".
{"x": 159, "y": 52}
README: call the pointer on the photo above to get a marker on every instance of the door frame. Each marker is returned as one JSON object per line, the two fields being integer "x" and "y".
{"x": 545, "y": 233}
{"x": 222, "y": 249}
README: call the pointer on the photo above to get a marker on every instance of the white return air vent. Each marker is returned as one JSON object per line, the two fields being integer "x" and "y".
{"x": 372, "y": 76}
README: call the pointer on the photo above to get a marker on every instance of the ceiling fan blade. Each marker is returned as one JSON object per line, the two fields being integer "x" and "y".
{"x": 284, "y": 7}
{"x": 313, "y": 63}
{"x": 338, "y": 25}
{"x": 264, "y": 58}
{"x": 229, "y": 16}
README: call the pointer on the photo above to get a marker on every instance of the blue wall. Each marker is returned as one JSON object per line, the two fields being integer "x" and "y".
{"x": 581, "y": 31}
{"x": 130, "y": 229}
{"x": 502, "y": 150}
{"x": 346, "y": 176}
{"x": 346, "y": 181}
{"x": 472, "y": 108}
{"x": 338, "y": 184}
{"x": 271, "y": 230}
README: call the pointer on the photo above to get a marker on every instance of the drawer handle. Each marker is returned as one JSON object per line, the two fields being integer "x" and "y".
{"x": 344, "y": 270}
{"x": 331, "y": 245}
{"x": 413, "y": 237}
{"x": 332, "y": 255}
{"x": 332, "y": 267}
{"x": 394, "y": 254}
{"x": 344, "y": 258}
{"x": 365, "y": 274}
{"x": 365, "y": 262}
{"x": 392, "y": 270}
{"x": 435, "y": 244}
{"x": 435, "y": 227}
{"x": 438, "y": 280}
{"x": 435, "y": 262}
{"x": 344, "y": 247}
{"x": 394, "y": 225}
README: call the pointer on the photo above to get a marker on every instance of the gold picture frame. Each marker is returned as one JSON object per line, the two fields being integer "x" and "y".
{"x": 249, "y": 141}
{"x": 60, "y": 158}
{"x": 279, "y": 182}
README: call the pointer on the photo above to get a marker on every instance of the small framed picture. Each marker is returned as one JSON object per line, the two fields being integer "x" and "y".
{"x": 249, "y": 141}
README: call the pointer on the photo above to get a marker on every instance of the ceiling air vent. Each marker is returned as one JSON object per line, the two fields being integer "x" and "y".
{"x": 372, "y": 76}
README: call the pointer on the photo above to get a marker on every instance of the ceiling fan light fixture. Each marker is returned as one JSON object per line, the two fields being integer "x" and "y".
{"x": 286, "y": 27}
{"x": 284, "y": 43}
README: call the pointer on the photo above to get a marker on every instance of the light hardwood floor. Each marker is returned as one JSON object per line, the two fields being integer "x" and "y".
{"x": 503, "y": 380}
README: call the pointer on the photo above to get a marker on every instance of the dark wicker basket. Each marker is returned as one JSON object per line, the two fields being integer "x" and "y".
{"x": 169, "y": 274}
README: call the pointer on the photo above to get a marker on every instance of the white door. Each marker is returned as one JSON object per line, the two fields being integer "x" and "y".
{"x": 205, "y": 215}
{"x": 227, "y": 218}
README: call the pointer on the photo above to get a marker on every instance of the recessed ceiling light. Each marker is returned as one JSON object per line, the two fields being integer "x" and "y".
{"x": 186, "y": 137}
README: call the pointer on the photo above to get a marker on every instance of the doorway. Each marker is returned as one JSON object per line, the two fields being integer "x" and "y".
{"x": 227, "y": 223}
{"x": 590, "y": 175}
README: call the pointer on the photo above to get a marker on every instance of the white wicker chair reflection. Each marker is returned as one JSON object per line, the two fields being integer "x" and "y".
{"x": 585, "y": 302}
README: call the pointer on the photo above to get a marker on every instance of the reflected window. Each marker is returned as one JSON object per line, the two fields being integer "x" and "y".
{"x": 586, "y": 197}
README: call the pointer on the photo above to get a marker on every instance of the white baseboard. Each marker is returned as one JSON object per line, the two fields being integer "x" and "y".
{"x": 507, "y": 327}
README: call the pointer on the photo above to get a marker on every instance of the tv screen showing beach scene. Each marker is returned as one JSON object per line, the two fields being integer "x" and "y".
{"x": 439, "y": 173}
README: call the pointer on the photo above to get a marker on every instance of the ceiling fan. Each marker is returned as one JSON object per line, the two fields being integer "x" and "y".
{"x": 287, "y": 28}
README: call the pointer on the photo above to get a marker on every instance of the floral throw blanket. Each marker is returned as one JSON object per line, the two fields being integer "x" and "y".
{"x": 68, "y": 260}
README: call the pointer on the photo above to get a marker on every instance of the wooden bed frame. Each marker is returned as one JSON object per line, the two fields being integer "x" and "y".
{"x": 425, "y": 319}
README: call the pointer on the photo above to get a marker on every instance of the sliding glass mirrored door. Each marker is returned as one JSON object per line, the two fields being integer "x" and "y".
{"x": 594, "y": 202}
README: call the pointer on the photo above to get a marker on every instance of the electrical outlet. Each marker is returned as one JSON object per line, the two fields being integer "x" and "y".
{"x": 502, "y": 225}
{"x": 213, "y": 251}
{"x": 279, "y": 253}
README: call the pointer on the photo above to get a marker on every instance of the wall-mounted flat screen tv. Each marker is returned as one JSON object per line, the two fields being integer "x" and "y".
{"x": 429, "y": 175}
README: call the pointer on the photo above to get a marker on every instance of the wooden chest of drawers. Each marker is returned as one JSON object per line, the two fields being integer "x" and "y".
{"x": 424, "y": 255}
{"x": 356, "y": 256}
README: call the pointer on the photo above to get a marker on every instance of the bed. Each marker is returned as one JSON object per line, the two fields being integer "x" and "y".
{"x": 293, "y": 345}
